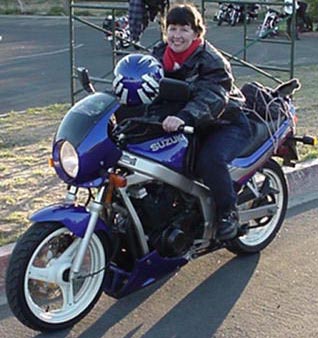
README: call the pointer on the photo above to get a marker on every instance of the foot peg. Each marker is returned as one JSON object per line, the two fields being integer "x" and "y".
{"x": 242, "y": 230}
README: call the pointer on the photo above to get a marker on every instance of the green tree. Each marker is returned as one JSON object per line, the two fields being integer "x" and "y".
{"x": 313, "y": 9}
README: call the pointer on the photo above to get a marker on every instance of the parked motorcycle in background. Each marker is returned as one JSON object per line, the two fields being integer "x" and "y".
{"x": 121, "y": 30}
{"x": 252, "y": 12}
{"x": 234, "y": 13}
{"x": 229, "y": 13}
{"x": 270, "y": 25}
{"x": 273, "y": 17}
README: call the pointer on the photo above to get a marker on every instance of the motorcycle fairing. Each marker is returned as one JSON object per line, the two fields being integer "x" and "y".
{"x": 147, "y": 270}
{"x": 75, "y": 218}
{"x": 169, "y": 150}
{"x": 85, "y": 115}
{"x": 85, "y": 126}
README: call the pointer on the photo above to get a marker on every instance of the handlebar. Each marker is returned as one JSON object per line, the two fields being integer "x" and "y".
{"x": 139, "y": 128}
{"x": 186, "y": 129}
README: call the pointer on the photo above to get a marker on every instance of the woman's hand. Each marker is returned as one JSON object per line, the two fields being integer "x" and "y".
{"x": 172, "y": 123}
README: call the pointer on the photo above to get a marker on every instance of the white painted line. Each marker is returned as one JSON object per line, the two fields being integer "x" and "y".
{"x": 59, "y": 51}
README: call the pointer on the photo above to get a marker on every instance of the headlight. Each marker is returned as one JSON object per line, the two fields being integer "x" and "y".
{"x": 69, "y": 159}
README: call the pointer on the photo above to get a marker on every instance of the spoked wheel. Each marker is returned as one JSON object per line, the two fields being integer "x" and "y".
{"x": 39, "y": 290}
{"x": 271, "y": 185}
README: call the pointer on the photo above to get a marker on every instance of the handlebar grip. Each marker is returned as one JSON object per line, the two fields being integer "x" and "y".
{"x": 186, "y": 129}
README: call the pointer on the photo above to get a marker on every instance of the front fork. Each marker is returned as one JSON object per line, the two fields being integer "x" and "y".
{"x": 95, "y": 207}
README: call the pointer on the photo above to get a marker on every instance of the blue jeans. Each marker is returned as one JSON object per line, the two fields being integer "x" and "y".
{"x": 218, "y": 149}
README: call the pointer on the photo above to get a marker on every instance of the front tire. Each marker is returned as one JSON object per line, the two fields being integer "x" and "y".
{"x": 264, "y": 230}
{"x": 220, "y": 21}
{"x": 39, "y": 290}
{"x": 234, "y": 17}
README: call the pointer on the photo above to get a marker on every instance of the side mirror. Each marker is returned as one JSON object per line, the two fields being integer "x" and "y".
{"x": 83, "y": 77}
{"x": 174, "y": 90}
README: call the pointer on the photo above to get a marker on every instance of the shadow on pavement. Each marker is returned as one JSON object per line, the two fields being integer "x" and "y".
{"x": 119, "y": 310}
{"x": 203, "y": 311}
{"x": 205, "y": 308}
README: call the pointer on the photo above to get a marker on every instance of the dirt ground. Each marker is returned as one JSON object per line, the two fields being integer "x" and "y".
{"x": 26, "y": 180}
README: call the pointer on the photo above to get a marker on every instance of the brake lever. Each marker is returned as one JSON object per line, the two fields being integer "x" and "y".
{"x": 120, "y": 133}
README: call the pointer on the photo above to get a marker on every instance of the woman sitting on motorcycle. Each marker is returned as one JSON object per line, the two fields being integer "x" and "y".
{"x": 186, "y": 56}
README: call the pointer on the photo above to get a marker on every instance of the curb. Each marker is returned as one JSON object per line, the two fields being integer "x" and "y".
{"x": 5, "y": 253}
{"x": 302, "y": 185}
{"x": 302, "y": 182}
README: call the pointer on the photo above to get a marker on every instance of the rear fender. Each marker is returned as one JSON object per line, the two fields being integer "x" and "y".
{"x": 75, "y": 218}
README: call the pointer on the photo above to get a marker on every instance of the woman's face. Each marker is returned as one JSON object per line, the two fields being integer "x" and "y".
{"x": 179, "y": 37}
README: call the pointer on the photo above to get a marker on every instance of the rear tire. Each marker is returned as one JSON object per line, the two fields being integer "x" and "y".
{"x": 259, "y": 238}
{"x": 38, "y": 288}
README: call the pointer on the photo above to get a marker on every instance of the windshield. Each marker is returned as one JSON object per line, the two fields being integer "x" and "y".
{"x": 83, "y": 116}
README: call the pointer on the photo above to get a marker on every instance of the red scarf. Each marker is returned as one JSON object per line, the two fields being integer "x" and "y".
{"x": 170, "y": 58}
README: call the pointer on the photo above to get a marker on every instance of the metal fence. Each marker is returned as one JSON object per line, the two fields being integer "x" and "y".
{"x": 121, "y": 6}
{"x": 248, "y": 42}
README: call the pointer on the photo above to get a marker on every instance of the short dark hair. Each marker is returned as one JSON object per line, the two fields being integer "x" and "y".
{"x": 185, "y": 14}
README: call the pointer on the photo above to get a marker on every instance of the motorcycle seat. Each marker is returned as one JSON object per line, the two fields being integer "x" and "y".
{"x": 261, "y": 132}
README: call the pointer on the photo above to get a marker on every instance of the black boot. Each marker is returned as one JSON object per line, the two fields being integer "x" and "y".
{"x": 228, "y": 225}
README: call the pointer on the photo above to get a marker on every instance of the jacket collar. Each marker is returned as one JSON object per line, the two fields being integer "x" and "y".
{"x": 159, "y": 50}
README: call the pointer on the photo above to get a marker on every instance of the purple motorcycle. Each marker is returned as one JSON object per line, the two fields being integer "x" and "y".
{"x": 144, "y": 215}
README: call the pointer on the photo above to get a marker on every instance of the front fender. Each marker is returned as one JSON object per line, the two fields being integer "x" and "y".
{"x": 75, "y": 218}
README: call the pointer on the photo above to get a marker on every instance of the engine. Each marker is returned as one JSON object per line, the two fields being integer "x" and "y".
{"x": 171, "y": 219}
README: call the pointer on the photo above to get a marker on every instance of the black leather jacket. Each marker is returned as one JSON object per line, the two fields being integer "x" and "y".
{"x": 213, "y": 94}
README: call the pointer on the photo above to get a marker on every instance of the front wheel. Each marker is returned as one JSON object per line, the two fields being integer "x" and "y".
{"x": 270, "y": 183}
{"x": 39, "y": 289}
{"x": 263, "y": 31}
{"x": 234, "y": 18}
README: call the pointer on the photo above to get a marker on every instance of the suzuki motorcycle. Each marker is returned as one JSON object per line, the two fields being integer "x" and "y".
{"x": 234, "y": 13}
{"x": 145, "y": 214}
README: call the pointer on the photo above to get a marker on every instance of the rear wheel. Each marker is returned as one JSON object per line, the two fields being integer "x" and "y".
{"x": 270, "y": 182}
{"x": 38, "y": 286}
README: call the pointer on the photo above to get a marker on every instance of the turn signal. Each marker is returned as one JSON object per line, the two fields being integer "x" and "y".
{"x": 51, "y": 162}
{"x": 310, "y": 140}
{"x": 117, "y": 181}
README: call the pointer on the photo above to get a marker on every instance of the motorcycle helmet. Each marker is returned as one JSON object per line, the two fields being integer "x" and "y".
{"x": 137, "y": 79}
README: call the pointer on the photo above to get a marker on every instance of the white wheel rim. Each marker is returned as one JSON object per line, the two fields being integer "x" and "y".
{"x": 51, "y": 298}
{"x": 257, "y": 236}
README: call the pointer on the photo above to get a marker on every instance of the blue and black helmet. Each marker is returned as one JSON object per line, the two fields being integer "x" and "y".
{"x": 137, "y": 79}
